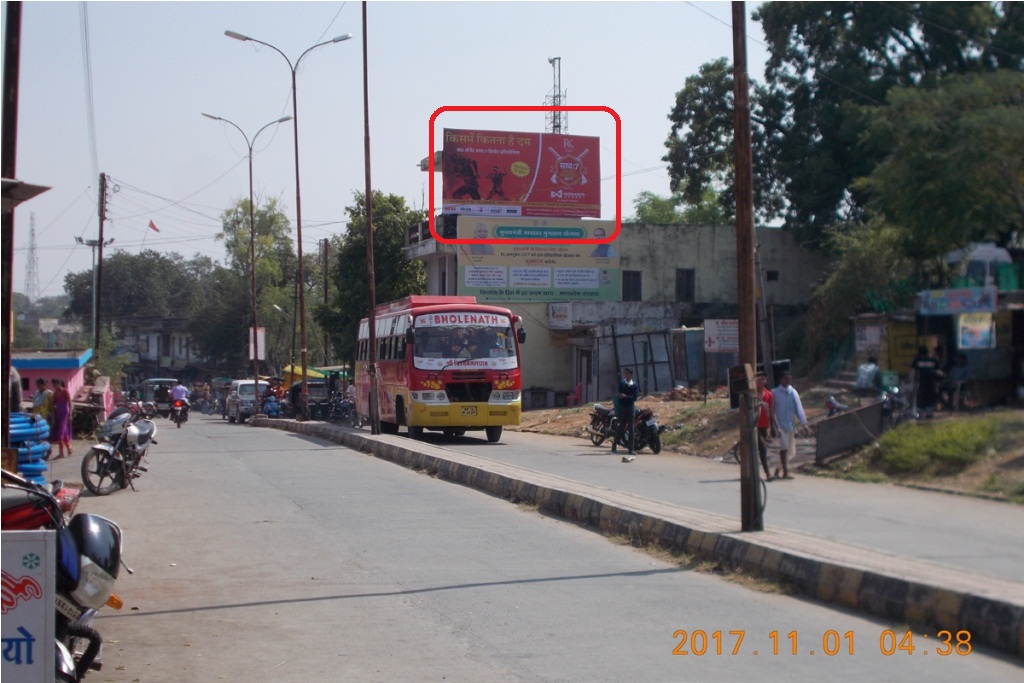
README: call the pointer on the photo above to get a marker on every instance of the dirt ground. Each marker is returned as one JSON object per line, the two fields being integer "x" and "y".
{"x": 711, "y": 430}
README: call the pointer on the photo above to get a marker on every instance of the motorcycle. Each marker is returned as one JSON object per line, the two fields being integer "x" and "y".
{"x": 603, "y": 424}
{"x": 88, "y": 563}
{"x": 113, "y": 463}
{"x": 342, "y": 408}
{"x": 647, "y": 433}
{"x": 179, "y": 411}
{"x": 834, "y": 407}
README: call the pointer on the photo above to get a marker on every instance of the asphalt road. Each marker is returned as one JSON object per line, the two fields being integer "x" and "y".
{"x": 265, "y": 556}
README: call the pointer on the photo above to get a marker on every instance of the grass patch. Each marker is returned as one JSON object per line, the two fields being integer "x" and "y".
{"x": 693, "y": 422}
{"x": 935, "y": 448}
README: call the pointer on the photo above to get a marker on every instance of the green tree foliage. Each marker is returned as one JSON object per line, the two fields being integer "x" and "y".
{"x": 871, "y": 273}
{"x": 276, "y": 261}
{"x": 219, "y": 328}
{"x": 829, "y": 59}
{"x": 955, "y": 168}
{"x": 149, "y": 283}
{"x": 394, "y": 275}
{"x": 653, "y": 209}
{"x": 701, "y": 155}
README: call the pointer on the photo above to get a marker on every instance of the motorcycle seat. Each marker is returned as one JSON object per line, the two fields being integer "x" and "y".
{"x": 602, "y": 410}
{"x": 146, "y": 430}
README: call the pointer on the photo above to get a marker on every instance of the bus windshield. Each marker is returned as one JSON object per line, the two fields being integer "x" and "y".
{"x": 475, "y": 346}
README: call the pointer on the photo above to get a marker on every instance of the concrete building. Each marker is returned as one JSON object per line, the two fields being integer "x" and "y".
{"x": 671, "y": 276}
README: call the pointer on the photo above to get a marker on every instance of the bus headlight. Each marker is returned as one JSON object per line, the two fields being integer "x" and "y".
{"x": 429, "y": 396}
{"x": 505, "y": 396}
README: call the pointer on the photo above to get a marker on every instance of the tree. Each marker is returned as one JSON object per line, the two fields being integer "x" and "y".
{"x": 701, "y": 156}
{"x": 830, "y": 59}
{"x": 653, "y": 209}
{"x": 954, "y": 172}
{"x": 395, "y": 275}
{"x": 827, "y": 62}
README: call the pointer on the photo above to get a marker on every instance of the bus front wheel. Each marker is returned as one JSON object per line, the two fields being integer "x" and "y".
{"x": 416, "y": 433}
{"x": 493, "y": 434}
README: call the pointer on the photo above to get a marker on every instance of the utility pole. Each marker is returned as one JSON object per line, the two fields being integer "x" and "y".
{"x": 750, "y": 485}
{"x": 98, "y": 290}
{"x": 325, "y": 248}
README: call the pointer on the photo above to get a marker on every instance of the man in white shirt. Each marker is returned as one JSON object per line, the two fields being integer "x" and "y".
{"x": 787, "y": 411}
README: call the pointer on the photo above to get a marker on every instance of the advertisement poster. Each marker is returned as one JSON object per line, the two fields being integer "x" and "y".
{"x": 29, "y": 567}
{"x": 953, "y": 301}
{"x": 500, "y": 173}
{"x": 538, "y": 271}
{"x": 976, "y": 331}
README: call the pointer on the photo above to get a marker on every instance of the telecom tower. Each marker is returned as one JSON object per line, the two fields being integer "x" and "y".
{"x": 32, "y": 267}
{"x": 556, "y": 121}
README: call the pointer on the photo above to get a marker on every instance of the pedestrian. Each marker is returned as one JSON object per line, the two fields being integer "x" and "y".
{"x": 61, "y": 434}
{"x": 787, "y": 411}
{"x": 927, "y": 375}
{"x": 42, "y": 402}
{"x": 628, "y": 391}
{"x": 764, "y": 422}
{"x": 869, "y": 378}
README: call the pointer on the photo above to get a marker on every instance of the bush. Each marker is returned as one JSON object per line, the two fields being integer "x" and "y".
{"x": 934, "y": 448}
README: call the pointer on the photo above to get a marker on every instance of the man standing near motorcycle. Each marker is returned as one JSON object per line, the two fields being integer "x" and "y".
{"x": 628, "y": 391}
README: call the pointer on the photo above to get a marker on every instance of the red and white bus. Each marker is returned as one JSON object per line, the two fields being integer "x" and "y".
{"x": 445, "y": 363}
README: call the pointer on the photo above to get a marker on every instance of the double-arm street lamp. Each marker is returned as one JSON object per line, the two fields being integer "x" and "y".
{"x": 252, "y": 247}
{"x": 298, "y": 195}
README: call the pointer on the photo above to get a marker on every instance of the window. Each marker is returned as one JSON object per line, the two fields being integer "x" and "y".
{"x": 772, "y": 276}
{"x": 632, "y": 289}
{"x": 686, "y": 287}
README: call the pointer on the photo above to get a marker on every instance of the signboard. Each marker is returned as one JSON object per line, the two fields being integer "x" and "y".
{"x": 261, "y": 344}
{"x": 29, "y": 586}
{"x": 953, "y": 301}
{"x": 722, "y": 336}
{"x": 976, "y": 331}
{"x": 538, "y": 271}
{"x": 499, "y": 173}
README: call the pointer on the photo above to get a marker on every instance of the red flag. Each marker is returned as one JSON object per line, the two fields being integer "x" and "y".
{"x": 153, "y": 227}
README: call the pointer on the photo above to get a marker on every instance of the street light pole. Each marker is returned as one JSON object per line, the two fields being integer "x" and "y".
{"x": 252, "y": 249}
{"x": 298, "y": 195}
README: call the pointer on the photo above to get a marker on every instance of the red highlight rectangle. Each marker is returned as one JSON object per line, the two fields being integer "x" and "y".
{"x": 618, "y": 174}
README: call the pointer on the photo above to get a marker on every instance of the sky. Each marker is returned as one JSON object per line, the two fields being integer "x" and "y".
{"x": 120, "y": 88}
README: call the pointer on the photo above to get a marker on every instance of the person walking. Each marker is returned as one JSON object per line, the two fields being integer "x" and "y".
{"x": 764, "y": 422}
{"x": 628, "y": 392}
{"x": 787, "y": 410}
{"x": 42, "y": 402}
{"x": 61, "y": 418}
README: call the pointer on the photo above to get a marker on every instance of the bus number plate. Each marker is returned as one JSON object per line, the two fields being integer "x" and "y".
{"x": 468, "y": 410}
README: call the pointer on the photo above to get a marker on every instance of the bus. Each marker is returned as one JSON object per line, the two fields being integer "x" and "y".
{"x": 445, "y": 363}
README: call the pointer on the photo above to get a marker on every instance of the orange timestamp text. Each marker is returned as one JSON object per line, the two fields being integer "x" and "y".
{"x": 830, "y": 643}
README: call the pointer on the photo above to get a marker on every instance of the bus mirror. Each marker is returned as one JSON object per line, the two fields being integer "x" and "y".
{"x": 521, "y": 335}
{"x": 410, "y": 336}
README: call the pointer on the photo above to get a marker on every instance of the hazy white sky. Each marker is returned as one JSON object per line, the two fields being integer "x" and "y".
{"x": 154, "y": 67}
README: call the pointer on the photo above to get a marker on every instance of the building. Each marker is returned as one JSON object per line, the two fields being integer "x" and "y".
{"x": 668, "y": 276}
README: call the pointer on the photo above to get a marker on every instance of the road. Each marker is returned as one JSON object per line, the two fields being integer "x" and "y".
{"x": 265, "y": 556}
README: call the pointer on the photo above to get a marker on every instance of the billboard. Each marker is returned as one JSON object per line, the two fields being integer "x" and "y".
{"x": 536, "y": 270}
{"x": 507, "y": 174}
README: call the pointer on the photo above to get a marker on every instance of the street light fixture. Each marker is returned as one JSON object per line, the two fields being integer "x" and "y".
{"x": 252, "y": 246}
{"x": 298, "y": 196}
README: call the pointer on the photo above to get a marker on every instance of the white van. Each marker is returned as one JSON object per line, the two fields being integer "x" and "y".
{"x": 242, "y": 399}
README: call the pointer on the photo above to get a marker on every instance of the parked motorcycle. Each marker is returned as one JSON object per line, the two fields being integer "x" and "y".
{"x": 179, "y": 411}
{"x": 113, "y": 463}
{"x": 88, "y": 563}
{"x": 646, "y": 429}
{"x": 342, "y": 408}
{"x": 834, "y": 406}
{"x": 271, "y": 407}
{"x": 603, "y": 424}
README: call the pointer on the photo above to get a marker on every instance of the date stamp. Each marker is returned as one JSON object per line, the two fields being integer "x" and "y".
{"x": 830, "y": 643}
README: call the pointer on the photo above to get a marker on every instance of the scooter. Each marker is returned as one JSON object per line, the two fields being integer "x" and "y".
{"x": 271, "y": 408}
{"x": 88, "y": 564}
